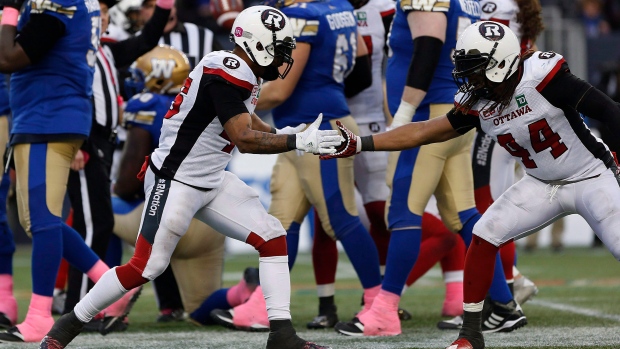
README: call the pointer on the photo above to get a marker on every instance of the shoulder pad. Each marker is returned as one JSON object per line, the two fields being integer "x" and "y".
{"x": 541, "y": 66}
{"x": 425, "y": 5}
{"x": 61, "y": 7}
{"x": 231, "y": 68}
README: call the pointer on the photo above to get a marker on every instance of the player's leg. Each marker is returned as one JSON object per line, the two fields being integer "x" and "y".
{"x": 288, "y": 202}
{"x": 246, "y": 220}
{"x": 597, "y": 200}
{"x": 329, "y": 186}
{"x": 8, "y": 304}
{"x": 169, "y": 209}
{"x": 524, "y": 208}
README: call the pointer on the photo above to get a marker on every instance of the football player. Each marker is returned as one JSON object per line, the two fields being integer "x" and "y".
{"x": 185, "y": 176}
{"x": 52, "y": 64}
{"x": 328, "y": 45}
{"x": 530, "y": 105}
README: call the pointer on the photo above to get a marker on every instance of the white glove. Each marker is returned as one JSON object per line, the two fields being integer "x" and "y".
{"x": 403, "y": 115}
{"x": 313, "y": 140}
{"x": 288, "y": 130}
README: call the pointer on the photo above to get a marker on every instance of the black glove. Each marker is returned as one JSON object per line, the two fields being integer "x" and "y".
{"x": 16, "y": 4}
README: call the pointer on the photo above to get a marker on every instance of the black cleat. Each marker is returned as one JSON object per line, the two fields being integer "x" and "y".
{"x": 225, "y": 318}
{"x": 119, "y": 323}
{"x": 327, "y": 318}
{"x": 66, "y": 328}
{"x": 452, "y": 324}
{"x": 12, "y": 335}
{"x": 404, "y": 315}
{"x": 352, "y": 328}
{"x": 5, "y": 322}
{"x": 283, "y": 336}
{"x": 171, "y": 315}
{"x": 503, "y": 318}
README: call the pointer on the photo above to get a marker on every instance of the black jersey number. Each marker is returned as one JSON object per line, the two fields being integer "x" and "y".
{"x": 542, "y": 137}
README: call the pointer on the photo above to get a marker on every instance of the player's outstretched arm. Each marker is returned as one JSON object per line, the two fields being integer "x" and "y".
{"x": 12, "y": 54}
{"x": 407, "y": 136}
{"x": 248, "y": 140}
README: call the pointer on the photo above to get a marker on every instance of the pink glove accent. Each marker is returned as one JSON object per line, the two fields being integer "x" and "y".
{"x": 9, "y": 16}
{"x": 165, "y": 4}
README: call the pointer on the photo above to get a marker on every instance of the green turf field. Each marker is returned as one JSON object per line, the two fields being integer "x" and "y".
{"x": 577, "y": 307}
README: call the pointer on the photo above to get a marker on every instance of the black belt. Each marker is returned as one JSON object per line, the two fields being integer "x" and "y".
{"x": 106, "y": 133}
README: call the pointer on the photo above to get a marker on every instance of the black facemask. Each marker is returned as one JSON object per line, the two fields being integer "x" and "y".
{"x": 271, "y": 73}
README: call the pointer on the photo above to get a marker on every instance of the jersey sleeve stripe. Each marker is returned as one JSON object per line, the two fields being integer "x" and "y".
{"x": 470, "y": 112}
{"x": 233, "y": 80}
{"x": 550, "y": 76}
{"x": 388, "y": 12}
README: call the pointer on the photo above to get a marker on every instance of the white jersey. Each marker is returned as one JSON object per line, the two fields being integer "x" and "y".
{"x": 193, "y": 147}
{"x": 367, "y": 106}
{"x": 550, "y": 144}
{"x": 505, "y": 12}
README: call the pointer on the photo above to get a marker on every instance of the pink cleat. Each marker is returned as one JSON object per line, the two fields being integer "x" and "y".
{"x": 249, "y": 316}
{"x": 453, "y": 302}
{"x": 381, "y": 320}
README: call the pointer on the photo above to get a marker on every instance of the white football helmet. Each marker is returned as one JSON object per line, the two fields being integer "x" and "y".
{"x": 264, "y": 33}
{"x": 488, "y": 47}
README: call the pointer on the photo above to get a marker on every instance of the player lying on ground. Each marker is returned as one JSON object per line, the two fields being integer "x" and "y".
{"x": 530, "y": 105}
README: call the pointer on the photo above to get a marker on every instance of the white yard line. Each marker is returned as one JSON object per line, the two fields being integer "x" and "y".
{"x": 574, "y": 309}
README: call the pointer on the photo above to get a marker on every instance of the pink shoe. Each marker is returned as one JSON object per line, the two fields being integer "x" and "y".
{"x": 453, "y": 302}
{"x": 123, "y": 306}
{"x": 369, "y": 296}
{"x": 249, "y": 316}
{"x": 381, "y": 320}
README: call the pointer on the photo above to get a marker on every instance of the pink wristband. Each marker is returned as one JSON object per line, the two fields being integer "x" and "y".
{"x": 165, "y": 4}
{"x": 9, "y": 16}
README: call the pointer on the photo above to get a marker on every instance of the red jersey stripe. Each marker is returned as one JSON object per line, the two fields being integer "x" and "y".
{"x": 550, "y": 76}
{"x": 233, "y": 80}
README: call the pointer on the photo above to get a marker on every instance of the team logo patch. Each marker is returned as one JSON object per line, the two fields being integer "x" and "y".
{"x": 491, "y": 31}
{"x": 489, "y": 7}
{"x": 238, "y": 32}
{"x": 521, "y": 101}
{"x": 546, "y": 55}
{"x": 273, "y": 19}
{"x": 231, "y": 63}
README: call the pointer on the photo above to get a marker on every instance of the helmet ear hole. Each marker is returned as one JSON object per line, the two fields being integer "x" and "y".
{"x": 259, "y": 46}
{"x": 502, "y": 65}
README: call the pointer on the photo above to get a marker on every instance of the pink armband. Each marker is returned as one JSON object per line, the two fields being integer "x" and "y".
{"x": 165, "y": 4}
{"x": 9, "y": 16}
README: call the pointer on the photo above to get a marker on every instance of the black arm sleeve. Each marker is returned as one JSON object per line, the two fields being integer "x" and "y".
{"x": 424, "y": 61}
{"x": 39, "y": 35}
{"x": 463, "y": 123}
{"x": 127, "y": 51}
{"x": 567, "y": 90}
{"x": 227, "y": 98}
{"x": 387, "y": 23}
{"x": 360, "y": 78}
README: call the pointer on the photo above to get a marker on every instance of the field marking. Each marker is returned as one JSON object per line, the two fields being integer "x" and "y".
{"x": 573, "y": 309}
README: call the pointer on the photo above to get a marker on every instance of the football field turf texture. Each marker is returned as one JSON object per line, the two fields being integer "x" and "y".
{"x": 577, "y": 307}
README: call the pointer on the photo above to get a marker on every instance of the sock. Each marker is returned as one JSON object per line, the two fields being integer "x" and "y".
{"x": 7, "y": 248}
{"x": 378, "y": 230}
{"x": 437, "y": 242}
{"x": 276, "y": 286}
{"x": 402, "y": 255}
{"x": 479, "y": 267}
{"x": 326, "y": 290}
{"x": 508, "y": 254}
{"x": 8, "y": 303}
{"x": 38, "y": 320}
{"x": 75, "y": 250}
{"x": 114, "y": 254}
{"x": 96, "y": 272}
{"x": 324, "y": 256}
{"x": 363, "y": 254}
{"x": 499, "y": 290}
{"x": 368, "y": 298}
{"x": 47, "y": 249}
{"x": 292, "y": 243}
{"x": 217, "y": 300}
{"x": 238, "y": 294}
{"x": 105, "y": 292}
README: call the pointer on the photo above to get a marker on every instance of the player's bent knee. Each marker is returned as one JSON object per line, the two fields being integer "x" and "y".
{"x": 130, "y": 277}
{"x": 271, "y": 248}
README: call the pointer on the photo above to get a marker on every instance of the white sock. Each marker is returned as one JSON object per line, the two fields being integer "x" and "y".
{"x": 105, "y": 292}
{"x": 453, "y": 276}
{"x": 275, "y": 281}
{"x": 326, "y": 290}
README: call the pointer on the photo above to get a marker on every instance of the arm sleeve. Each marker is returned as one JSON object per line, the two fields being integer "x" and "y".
{"x": 387, "y": 23}
{"x": 127, "y": 51}
{"x": 425, "y": 58}
{"x": 227, "y": 98}
{"x": 39, "y": 35}
{"x": 567, "y": 90}
{"x": 463, "y": 123}
{"x": 360, "y": 78}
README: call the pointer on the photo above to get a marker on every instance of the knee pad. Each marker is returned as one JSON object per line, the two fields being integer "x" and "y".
{"x": 271, "y": 248}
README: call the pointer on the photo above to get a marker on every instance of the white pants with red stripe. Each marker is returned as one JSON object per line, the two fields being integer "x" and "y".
{"x": 531, "y": 205}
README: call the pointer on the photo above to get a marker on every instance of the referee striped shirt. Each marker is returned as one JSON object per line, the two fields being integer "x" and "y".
{"x": 105, "y": 90}
{"x": 196, "y": 42}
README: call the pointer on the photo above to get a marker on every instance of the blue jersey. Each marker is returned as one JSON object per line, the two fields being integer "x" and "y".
{"x": 460, "y": 14}
{"x": 330, "y": 27}
{"x": 4, "y": 96}
{"x": 147, "y": 111}
{"x": 53, "y": 96}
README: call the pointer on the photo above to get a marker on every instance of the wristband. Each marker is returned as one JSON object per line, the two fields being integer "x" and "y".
{"x": 404, "y": 114}
{"x": 165, "y": 4}
{"x": 291, "y": 141}
{"x": 367, "y": 143}
{"x": 10, "y": 16}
